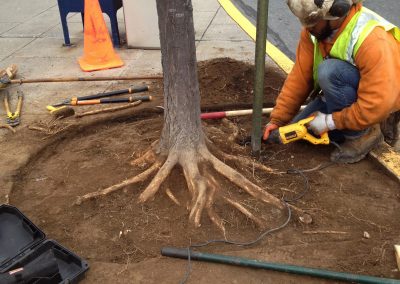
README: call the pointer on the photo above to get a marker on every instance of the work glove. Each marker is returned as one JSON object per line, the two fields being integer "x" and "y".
{"x": 321, "y": 123}
{"x": 269, "y": 128}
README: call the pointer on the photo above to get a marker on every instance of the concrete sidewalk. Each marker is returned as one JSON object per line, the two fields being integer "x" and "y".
{"x": 31, "y": 37}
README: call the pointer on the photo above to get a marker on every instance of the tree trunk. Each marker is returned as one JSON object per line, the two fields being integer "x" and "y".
{"x": 182, "y": 125}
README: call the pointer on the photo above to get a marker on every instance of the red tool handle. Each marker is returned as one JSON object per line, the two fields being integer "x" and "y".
{"x": 213, "y": 115}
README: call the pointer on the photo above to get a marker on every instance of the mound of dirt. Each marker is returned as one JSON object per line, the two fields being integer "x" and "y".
{"x": 344, "y": 200}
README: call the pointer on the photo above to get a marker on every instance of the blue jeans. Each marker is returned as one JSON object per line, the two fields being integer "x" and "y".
{"x": 338, "y": 81}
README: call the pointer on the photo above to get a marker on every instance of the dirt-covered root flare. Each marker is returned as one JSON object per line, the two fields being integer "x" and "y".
{"x": 199, "y": 167}
{"x": 149, "y": 157}
{"x": 162, "y": 174}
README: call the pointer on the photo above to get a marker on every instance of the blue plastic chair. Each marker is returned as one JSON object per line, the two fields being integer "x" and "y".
{"x": 109, "y": 7}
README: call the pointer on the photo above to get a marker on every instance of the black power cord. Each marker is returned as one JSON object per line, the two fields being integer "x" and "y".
{"x": 285, "y": 201}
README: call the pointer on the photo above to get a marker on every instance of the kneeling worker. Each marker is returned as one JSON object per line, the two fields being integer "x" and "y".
{"x": 352, "y": 55}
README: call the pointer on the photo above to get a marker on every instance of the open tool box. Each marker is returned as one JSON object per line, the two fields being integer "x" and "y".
{"x": 26, "y": 256}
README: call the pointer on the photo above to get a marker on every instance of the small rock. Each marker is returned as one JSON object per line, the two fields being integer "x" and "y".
{"x": 306, "y": 219}
{"x": 366, "y": 235}
{"x": 126, "y": 232}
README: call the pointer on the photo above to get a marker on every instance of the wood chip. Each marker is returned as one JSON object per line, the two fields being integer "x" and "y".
{"x": 397, "y": 250}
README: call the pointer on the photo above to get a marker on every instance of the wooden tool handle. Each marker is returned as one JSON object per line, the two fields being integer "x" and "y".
{"x": 82, "y": 79}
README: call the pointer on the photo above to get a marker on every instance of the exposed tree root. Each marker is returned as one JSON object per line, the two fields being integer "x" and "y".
{"x": 162, "y": 174}
{"x": 148, "y": 157}
{"x": 198, "y": 168}
{"x": 233, "y": 127}
{"x": 172, "y": 197}
{"x": 141, "y": 177}
{"x": 106, "y": 110}
{"x": 8, "y": 127}
{"x": 244, "y": 160}
{"x": 245, "y": 212}
{"x": 214, "y": 217}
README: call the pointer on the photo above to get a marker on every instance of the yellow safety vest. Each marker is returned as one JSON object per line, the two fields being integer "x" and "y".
{"x": 349, "y": 41}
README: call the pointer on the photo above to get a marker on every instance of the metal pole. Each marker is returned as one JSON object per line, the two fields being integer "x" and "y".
{"x": 294, "y": 269}
{"x": 261, "y": 38}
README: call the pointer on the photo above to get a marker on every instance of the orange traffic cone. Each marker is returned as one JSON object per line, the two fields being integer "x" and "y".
{"x": 98, "y": 51}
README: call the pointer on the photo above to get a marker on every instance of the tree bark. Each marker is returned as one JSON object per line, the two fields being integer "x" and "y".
{"x": 182, "y": 125}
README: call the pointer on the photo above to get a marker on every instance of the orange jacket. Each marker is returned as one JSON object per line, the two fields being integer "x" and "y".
{"x": 378, "y": 60}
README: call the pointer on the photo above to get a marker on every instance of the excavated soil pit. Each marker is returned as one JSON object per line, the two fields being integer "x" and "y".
{"x": 345, "y": 201}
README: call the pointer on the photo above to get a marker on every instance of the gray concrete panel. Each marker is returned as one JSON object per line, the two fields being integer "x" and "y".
{"x": 8, "y": 46}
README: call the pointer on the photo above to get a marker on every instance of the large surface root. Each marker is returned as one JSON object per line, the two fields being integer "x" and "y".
{"x": 252, "y": 163}
{"x": 202, "y": 184}
{"x": 141, "y": 177}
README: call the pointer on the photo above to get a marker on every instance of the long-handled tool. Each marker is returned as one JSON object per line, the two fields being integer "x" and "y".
{"x": 112, "y": 100}
{"x": 62, "y": 111}
{"x": 230, "y": 113}
{"x": 65, "y": 111}
{"x": 13, "y": 118}
{"x": 6, "y": 80}
{"x": 130, "y": 90}
{"x": 299, "y": 270}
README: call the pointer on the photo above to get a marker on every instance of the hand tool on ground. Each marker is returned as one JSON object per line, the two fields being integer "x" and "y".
{"x": 61, "y": 112}
{"x": 112, "y": 100}
{"x": 294, "y": 269}
{"x": 13, "y": 118}
{"x": 296, "y": 131}
{"x": 130, "y": 90}
{"x": 222, "y": 114}
{"x": 6, "y": 80}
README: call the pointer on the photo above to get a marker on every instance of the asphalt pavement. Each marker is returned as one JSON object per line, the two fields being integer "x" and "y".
{"x": 284, "y": 28}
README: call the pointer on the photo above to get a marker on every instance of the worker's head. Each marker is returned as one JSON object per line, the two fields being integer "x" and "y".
{"x": 320, "y": 16}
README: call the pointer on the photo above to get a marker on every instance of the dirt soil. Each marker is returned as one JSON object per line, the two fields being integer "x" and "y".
{"x": 355, "y": 208}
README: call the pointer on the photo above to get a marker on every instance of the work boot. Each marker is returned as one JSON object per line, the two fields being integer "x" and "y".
{"x": 354, "y": 150}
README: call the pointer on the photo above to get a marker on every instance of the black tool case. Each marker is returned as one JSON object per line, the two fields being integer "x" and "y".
{"x": 22, "y": 243}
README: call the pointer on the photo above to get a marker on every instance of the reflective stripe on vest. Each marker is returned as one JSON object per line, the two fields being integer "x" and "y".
{"x": 349, "y": 41}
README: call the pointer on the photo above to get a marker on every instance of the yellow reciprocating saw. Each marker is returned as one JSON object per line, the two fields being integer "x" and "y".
{"x": 298, "y": 130}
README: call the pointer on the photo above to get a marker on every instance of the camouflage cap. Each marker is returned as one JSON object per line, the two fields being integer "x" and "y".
{"x": 311, "y": 11}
